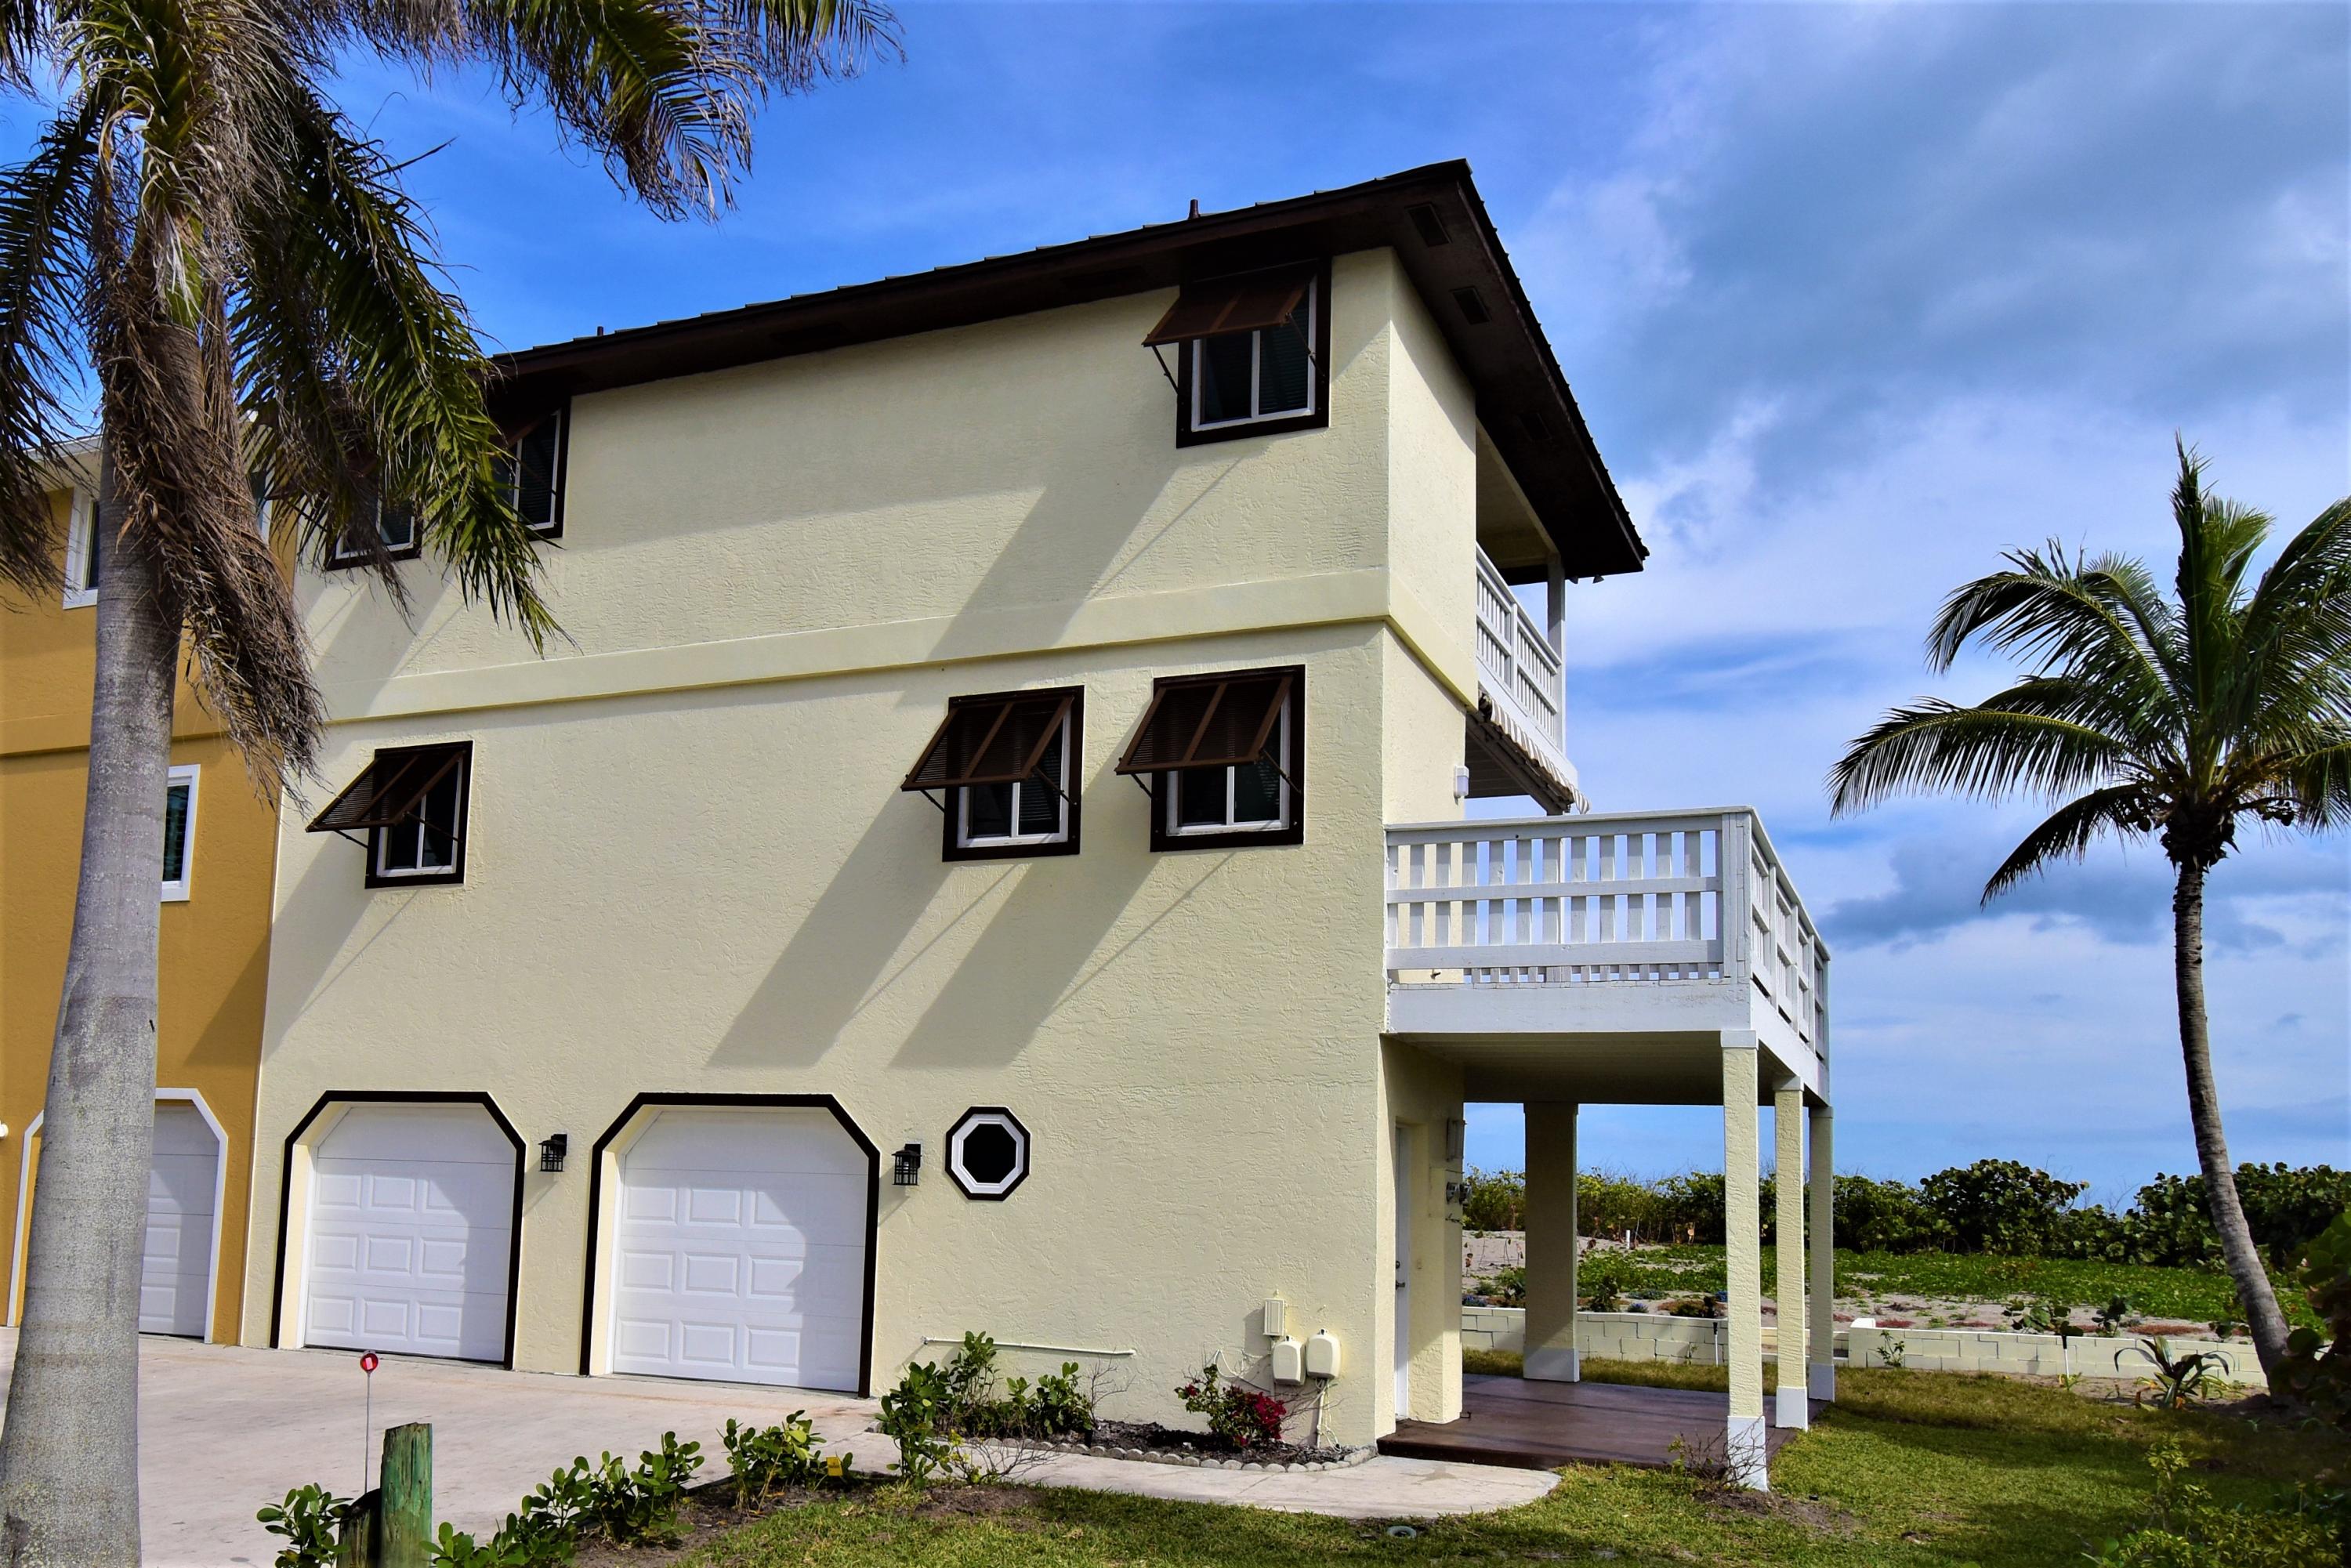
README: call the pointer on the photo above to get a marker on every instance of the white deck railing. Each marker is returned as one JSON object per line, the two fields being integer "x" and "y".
{"x": 1606, "y": 899}
{"x": 1520, "y": 666}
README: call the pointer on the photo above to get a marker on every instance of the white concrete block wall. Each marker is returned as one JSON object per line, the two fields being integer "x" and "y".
{"x": 1656, "y": 1336}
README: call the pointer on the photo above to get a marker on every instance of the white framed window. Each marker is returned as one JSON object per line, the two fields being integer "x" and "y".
{"x": 1224, "y": 756}
{"x": 1028, "y": 811}
{"x": 1251, "y": 378}
{"x": 534, "y": 471}
{"x": 83, "y": 549}
{"x": 429, "y": 842}
{"x": 395, "y": 525}
{"x": 1244, "y": 798}
{"x": 179, "y": 833}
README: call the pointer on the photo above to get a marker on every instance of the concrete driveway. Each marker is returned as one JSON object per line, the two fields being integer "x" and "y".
{"x": 222, "y": 1430}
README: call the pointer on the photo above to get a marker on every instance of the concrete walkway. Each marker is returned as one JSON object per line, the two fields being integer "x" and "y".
{"x": 223, "y": 1430}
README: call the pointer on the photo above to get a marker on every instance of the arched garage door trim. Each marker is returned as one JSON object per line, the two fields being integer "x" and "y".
{"x": 346, "y": 1097}
{"x": 791, "y": 1102}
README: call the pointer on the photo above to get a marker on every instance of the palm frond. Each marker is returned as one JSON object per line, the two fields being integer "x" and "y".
{"x": 364, "y": 374}
{"x": 1936, "y": 745}
{"x": 44, "y": 286}
{"x": 2314, "y": 787}
{"x": 2054, "y": 613}
{"x": 2067, "y": 834}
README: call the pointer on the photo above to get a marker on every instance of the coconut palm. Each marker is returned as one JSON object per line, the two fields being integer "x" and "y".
{"x": 206, "y": 246}
{"x": 2146, "y": 715}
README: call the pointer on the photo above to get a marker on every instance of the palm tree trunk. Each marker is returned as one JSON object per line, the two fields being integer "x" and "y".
{"x": 70, "y": 1453}
{"x": 2237, "y": 1248}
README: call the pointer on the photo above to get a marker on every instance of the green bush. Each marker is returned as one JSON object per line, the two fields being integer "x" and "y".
{"x": 1493, "y": 1200}
{"x": 765, "y": 1457}
{"x": 640, "y": 1506}
{"x": 2187, "y": 1529}
{"x": 1604, "y": 1275}
{"x": 919, "y": 1417}
{"x": 1872, "y": 1216}
{"x": 2000, "y": 1207}
{"x": 2285, "y": 1207}
{"x": 308, "y": 1518}
{"x": 2316, "y": 1370}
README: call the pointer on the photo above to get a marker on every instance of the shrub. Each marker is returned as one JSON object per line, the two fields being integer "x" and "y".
{"x": 1494, "y": 1200}
{"x": 1238, "y": 1415}
{"x": 1612, "y": 1205}
{"x": 2316, "y": 1370}
{"x": 1882, "y": 1216}
{"x": 307, "y": 1519}
{"x": 765, "y": 1457}
{"x": 2285, "y": 1207}
{"x": 917, "y": 1417}
{"x": 1509, "y": 1287}
{"x": 2000, "y": 1206}
{"x": 2187, "y": 1529}
{"x": 1604, "y": 1276}
{"x": 640, "y": 1505}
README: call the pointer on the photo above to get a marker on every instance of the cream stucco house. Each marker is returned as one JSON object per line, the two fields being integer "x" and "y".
{"x": 992, "y": 853}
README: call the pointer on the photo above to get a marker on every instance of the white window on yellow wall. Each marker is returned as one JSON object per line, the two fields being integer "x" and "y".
{"x": 179, "y": 833}
{"x": 82, "y": 550}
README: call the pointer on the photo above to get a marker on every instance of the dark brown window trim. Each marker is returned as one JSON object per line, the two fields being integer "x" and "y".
{"x": 1076, "y": 720}
{"x": 455, "y": 874}
{"x": 1320, "y": 419}
{"x": 1165, "y": 842}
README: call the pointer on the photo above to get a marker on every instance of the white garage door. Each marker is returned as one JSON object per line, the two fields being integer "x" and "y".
{"x": 739, "y": 1249}
{"x": 175, "y": 1279}
{"x": 410, "y": 1239}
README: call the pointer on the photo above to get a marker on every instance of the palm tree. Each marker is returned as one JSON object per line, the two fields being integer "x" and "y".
{"x": 2146, "y": 715}
{"x": 204, "y": 243}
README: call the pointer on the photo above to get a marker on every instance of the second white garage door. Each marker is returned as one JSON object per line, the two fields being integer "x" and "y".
{"x": 411, "y": 1233}
{"x": 175, "y": 1281}
{"x": 739, "y": 1249}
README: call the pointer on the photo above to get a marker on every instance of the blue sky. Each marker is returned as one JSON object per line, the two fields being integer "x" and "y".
{"x": 1852, "y": 300}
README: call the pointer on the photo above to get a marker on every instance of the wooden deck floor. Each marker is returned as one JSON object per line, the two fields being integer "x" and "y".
{"x": 1542, "y": 1426}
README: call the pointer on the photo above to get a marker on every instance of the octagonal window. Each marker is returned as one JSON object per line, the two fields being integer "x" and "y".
{"x": 987, "y": 1152}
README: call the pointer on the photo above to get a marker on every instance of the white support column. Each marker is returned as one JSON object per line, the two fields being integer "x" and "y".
{"x": 1788, "y": 1135}
{"x": 1745, "y": 1451}
{"x": 1551, "y": 1354}
{"x": 1821, "y": 1371}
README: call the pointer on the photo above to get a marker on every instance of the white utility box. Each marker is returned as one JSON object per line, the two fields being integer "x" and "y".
{"x": 1289, "y": 1361}
{"x": 1321, "y": 1355}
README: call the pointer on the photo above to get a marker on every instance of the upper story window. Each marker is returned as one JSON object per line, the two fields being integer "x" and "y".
{"x": 395, "y": 528}
{"x": 1253, "y": 353}
{"x": 83, "y": 549}
{"x": 179, "y": 833}
{"x": 1224, "y": 757}
{"x": 1004, "y": 766}
{"x": 410, "y": 801}
{"x": 534, "y": 470}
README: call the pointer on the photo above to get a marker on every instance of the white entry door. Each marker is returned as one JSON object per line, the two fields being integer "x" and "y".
{"x": 738, "y": 1252}
{"x": 1407, "y": 1190}
{"x": 175, "y": 1279}
{"x": 411, "y": 1234}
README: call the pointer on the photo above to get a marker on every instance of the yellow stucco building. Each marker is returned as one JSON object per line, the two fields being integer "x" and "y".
{"x": 220, "y": 856}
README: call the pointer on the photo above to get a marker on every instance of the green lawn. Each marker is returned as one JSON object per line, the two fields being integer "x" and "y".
{"x": 1912, "y": 1467}
{"x": 2184, "y": 1295}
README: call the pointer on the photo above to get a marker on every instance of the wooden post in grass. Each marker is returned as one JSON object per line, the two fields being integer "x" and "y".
{"x": 392, "y": 1527}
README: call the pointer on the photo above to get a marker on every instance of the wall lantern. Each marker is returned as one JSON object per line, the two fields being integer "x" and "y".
{"x": 551, "y": 1150}
{"x": 906, "y": 1166}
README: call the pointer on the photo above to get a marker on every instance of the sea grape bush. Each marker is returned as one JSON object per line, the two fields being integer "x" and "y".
{"x": 308, "y": 1518}
{"x": 1996, "y": 1206}
{"x": 936, "y": 1409}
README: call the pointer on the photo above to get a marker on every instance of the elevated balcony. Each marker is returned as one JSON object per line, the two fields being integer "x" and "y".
{"x": 1517, "y": 737}
{"x": 1603, "y": 957}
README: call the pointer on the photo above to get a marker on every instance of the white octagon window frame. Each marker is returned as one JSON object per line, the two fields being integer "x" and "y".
{"x": 971, "y": 1121}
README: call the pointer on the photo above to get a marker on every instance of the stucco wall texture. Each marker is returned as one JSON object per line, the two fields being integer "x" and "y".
{"x": 213, "y": 951}
{"x": 690, "y": 868}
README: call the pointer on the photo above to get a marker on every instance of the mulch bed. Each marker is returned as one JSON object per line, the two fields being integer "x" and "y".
{"x": 1151, "y": 1438}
